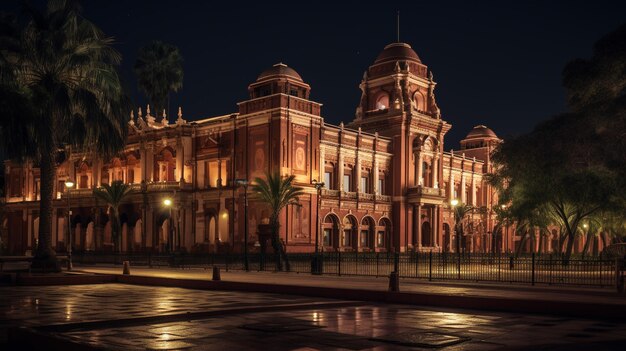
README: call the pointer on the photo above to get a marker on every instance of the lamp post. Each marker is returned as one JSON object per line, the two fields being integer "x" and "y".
{"x": 506, "y": 228}
{"x": 316, "y": 265}
{"x": 244, "y": 183}
{"x": 167, "y": 202}
{"x": 68, "y": 185}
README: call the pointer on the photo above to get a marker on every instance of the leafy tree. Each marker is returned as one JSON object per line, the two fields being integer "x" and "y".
{"x": 113, "y": 195}
{"x": 572, "y": 166}
{"x": 277, "y": 192}
{"x": 159, "y": 71}
{"x": 59, "y": 88}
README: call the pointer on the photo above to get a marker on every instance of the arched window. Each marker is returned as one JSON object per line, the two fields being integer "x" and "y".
{"x": 382, "y": 102}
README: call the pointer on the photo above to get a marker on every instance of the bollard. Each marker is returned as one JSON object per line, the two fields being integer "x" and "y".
{"x": 126, "y": 270}
{"x": 216, "y": 273}
{"x": 394, "y": 281}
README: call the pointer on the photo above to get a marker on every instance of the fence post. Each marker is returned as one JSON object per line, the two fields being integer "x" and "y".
{"x": 377, "y": 257}
{"x": 339, "y": 263}
{"x": 458, "y": 265}
{"x": 533, "y": 270}
{"x": 511, "y": 263}
{"x": 430, "y": 265}
{"x": 551, "y": 269}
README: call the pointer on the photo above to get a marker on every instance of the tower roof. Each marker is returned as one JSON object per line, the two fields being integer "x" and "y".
{"x": 397, "y": 52}
{"x": 279, "y": 70}
{"x": 481, "y": 131}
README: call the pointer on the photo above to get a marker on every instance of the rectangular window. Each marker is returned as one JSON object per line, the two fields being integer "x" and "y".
{"x": 364, "y": 238}
{"x": 224, "y": 173}
{"x": 15, "y": 180}
{"x": 365, "y": 185}
{"x": 380, "y": 242}
{"x": 84, "y": 182}
{"x": 328, "y": 184}
{"x": 326, "y": 239}
{"x": 212, "y": 174}
{"x": 381, "y": 187}
{"x": 293, "y": 92}
{"x": 346, "y": 183}
{"x": 346, "y": 238}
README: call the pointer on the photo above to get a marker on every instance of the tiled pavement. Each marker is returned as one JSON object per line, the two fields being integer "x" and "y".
{"x": 356, "y": 327}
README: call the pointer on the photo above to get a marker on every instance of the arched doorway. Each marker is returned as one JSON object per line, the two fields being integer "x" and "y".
{"x": 383, "y": 237}
{"x": 89, "y": 242}
{"x": 330, "y": 232}
{"x": 426, "y": 242}
{"x": 212, "y": 230}
{"x": 138, "y": 235}
{"x": 366, "y": 236}
{"x": 349, "y": 235}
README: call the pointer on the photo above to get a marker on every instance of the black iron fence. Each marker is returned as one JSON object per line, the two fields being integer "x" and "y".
{"x": 531, "y": 269}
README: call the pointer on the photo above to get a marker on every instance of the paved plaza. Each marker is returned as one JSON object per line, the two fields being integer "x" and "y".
{"x": 132, "y": 317}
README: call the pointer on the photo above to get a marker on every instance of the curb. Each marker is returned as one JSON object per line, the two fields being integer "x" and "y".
{"x": 512, "y": 304}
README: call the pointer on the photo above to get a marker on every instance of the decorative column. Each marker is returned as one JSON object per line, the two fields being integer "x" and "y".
{"x": 179, "y": 160}
{"x": 340, "y": 171}
{"x": 473, "y": 189}
{"x": 322, "y": 167}
{"x": 463, "y": 199}
{"x": 419, "y": 180}
{"x": 435, "y": 168}
{"x": 357, "y": 173}
{"x": 419, "y": 225}
{"x": 375, "y": 176}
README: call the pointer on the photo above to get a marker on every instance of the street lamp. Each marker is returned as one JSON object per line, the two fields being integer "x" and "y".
{"x": 318, "y": 186}
{"x": 506, "y": 228}
{"x": 244, "y": 183}
{"x": 167, "y": 202}
{"x": 68, "y": 185}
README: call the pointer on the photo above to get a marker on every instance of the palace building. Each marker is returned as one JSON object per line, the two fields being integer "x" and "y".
{"x": 388, "y": 179}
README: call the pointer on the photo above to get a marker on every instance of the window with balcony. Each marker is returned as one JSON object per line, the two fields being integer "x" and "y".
{"x": 381, "y": 186}
{"x": 328, "y": 180}
{"x": 15, "y": 180}
{"x": 365, "y": 185}
{"x": 347, "y": 183}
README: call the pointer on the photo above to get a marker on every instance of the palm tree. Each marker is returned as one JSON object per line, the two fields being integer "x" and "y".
{"x": 460, "y": 211}
{"x": 159, "y": 70}
{"x": 113, "y": 195}
{"x": 61, "y": 90}
{"x": 277, "y": 192}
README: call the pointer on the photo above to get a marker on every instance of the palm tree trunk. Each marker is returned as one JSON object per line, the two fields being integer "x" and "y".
{"x": 45, "y": 256}
{"x": 587, "y": 242}
{"x": 276, "y": 245}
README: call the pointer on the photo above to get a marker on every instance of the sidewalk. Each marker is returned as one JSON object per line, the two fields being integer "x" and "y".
{"x": 581, "y": 302}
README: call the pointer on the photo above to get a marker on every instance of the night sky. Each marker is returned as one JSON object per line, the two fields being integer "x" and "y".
{"x": 496, "y": 63}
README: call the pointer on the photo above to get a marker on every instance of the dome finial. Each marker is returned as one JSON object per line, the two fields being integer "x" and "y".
{"x": 398, "y": 27}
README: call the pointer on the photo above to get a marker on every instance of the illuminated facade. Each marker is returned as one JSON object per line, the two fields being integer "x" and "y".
{"x": 388, "y": 180}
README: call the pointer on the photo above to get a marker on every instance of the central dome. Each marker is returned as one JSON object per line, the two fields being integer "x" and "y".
{"x": 397, "y": 52}
{"x": 279, "y": 70}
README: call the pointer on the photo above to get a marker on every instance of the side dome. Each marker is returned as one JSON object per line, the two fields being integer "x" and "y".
{"x": 279, "y": 70}
{"x": 397, "y": 52}
{"x": 481, "y": 131}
